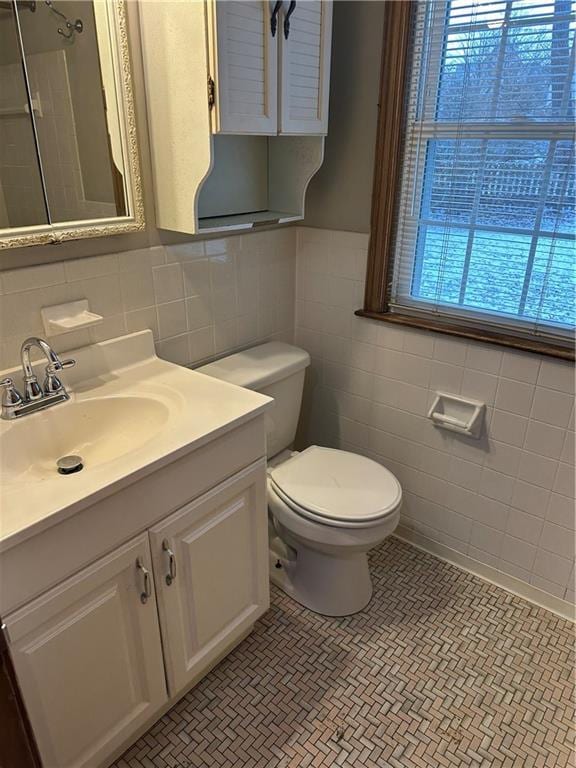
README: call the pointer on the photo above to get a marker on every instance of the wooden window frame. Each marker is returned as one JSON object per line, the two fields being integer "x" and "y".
{"x": 398, "y": 19}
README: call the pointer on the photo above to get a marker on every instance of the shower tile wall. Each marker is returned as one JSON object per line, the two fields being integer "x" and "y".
{"x": 21, "y": 190}
{"x": 21, "y": 198}
{"x": 200, "y": 299}
{"x": 48, "y": 74}
{"x": 506, "y": 500}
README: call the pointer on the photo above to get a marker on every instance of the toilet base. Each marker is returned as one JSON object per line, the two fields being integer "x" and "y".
{"x": 331, "y": 586}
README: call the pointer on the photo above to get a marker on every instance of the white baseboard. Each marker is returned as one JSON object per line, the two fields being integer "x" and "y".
{"x": 511, "y": 584}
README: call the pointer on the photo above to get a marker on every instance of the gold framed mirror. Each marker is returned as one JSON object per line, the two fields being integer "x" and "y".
{"x": 69, "y": 163}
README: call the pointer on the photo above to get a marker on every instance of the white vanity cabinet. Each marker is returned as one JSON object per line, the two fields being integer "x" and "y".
{"x": 93, "y": 654}
{"x": 269, "y": 65}
{"x": 211, "y": 568}
{"x": 88, "y": 658}
{"x": 123, "y": 584}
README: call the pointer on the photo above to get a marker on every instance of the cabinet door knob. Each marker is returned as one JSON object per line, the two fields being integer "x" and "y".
{"x": 274, "y": 17}
{"x": 171, "y": 575}
{"x": 147, "y": 593}
{"x": 291, "y": 9}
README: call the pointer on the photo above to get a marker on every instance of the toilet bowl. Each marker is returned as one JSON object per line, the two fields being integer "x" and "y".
{"x": 327, "y": 508}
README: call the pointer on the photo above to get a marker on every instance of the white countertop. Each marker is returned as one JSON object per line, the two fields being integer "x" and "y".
{"x": 189, "y": 410}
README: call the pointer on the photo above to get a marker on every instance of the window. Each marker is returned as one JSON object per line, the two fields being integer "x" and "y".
{"x": 474, "y": 229}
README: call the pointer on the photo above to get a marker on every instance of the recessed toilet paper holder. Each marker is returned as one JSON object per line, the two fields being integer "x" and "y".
{"x": 458, "y": 414}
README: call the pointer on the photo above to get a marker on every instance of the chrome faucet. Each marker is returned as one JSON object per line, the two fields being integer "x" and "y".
{"x": 35, "y": 397}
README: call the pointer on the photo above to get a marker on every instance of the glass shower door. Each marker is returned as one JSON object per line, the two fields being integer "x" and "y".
{"x": 22, "y": 192}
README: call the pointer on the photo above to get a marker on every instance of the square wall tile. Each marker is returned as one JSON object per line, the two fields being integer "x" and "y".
{"x": 524, "y": 526}
{"x": 96, "y": 266}
{"x": 544, "y": 439}
{"x": 18, "y": 280}
{"x": 564, "y": 482}
{"x": 537, "y": 469}
{"x": 497, "y": 486}
{"x": 562, "y": 511}
{"x": 552, "y": 407}
{"x": 518, "y": 552}
{"x": 503, "y": 458}
{"x": 483, "y": 357}
{"x": 530, "y": 498}
{"x": 514, "y": 397}
{"x": 557, "y": 539}
{"x": 172, "y": 319}
{"x": 137, "y": 289}
{"x": 197, "y": 278}
{"x": 521, "y": 366}
{"x": 479, "y": 386}
{"x": 448, "y": 350}
{"x": 168, "y": 283}
{"x": 486, "y": 539}
{"x": 555, "y": 374}
{"x": 174, "y": 350}
{"x": 552, "y": 567}
{"x": 141, "y": 320}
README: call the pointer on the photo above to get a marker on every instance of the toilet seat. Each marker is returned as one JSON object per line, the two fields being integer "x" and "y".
{"x": 335, "y": 487}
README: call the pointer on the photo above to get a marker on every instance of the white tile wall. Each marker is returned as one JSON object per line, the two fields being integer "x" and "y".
{"x": 199, "y": 299}
{"x": 506, "y": 500}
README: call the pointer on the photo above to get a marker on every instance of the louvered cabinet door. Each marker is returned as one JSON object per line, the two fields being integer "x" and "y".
{"x": 305, "y": 38}
{"x": 244, "y": 67}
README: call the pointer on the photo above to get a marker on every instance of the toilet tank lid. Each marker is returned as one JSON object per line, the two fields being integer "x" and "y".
{"x": 260, "y": 366}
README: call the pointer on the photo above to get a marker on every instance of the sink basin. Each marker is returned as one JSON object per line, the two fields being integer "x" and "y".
{"x": 100, "y": 430}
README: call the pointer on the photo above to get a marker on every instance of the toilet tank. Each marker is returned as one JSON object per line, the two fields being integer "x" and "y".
{"x": 274, "y": 369}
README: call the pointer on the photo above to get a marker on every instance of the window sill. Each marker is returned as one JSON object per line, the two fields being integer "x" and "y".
{"x": 488, "y": 337}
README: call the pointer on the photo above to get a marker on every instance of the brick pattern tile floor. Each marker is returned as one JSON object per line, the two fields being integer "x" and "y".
{"x": 441, "y": 669}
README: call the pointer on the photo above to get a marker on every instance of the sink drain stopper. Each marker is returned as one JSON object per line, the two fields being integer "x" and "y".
{"x": 68, "y": 465}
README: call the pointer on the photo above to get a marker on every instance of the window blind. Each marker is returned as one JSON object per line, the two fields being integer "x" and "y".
{"x": 486, "y": 220}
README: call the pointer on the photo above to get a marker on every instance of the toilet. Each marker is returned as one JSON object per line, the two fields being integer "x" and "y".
{"x": 327, "y": 508}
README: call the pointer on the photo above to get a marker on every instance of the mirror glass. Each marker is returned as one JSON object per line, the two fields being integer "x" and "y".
{"x": 64, "y": 119}
{"x": 22, "y": 202}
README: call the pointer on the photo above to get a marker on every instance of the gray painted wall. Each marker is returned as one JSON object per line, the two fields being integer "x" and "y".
{"x": 339, "y": 195}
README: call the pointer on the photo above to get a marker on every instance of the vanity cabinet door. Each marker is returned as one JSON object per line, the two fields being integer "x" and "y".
{"x": 211, "y": 568}
{"x": 88, "y": 659}
{"x": 244, "y": 66}
{"x": 305, "y": 66}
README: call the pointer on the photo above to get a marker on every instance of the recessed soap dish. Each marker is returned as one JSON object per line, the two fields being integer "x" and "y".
{"x": 458, "y": 414}
{"x": 63, "y": 318}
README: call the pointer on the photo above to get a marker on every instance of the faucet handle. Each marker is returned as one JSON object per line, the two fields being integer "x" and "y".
{"x": 59, "y": 365}
{"x": 10, "y": 395}
{"x": 52, "y": 384}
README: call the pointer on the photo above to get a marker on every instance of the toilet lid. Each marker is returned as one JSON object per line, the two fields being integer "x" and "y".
{"x": 338, "y": 485}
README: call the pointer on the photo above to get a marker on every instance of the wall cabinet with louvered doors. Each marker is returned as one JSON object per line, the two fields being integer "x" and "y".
{"x": 88, "y": 658}
{"x": 239, "y": 133}
{"x": 211, "y": 568}
{"x": 269, "y": 65}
